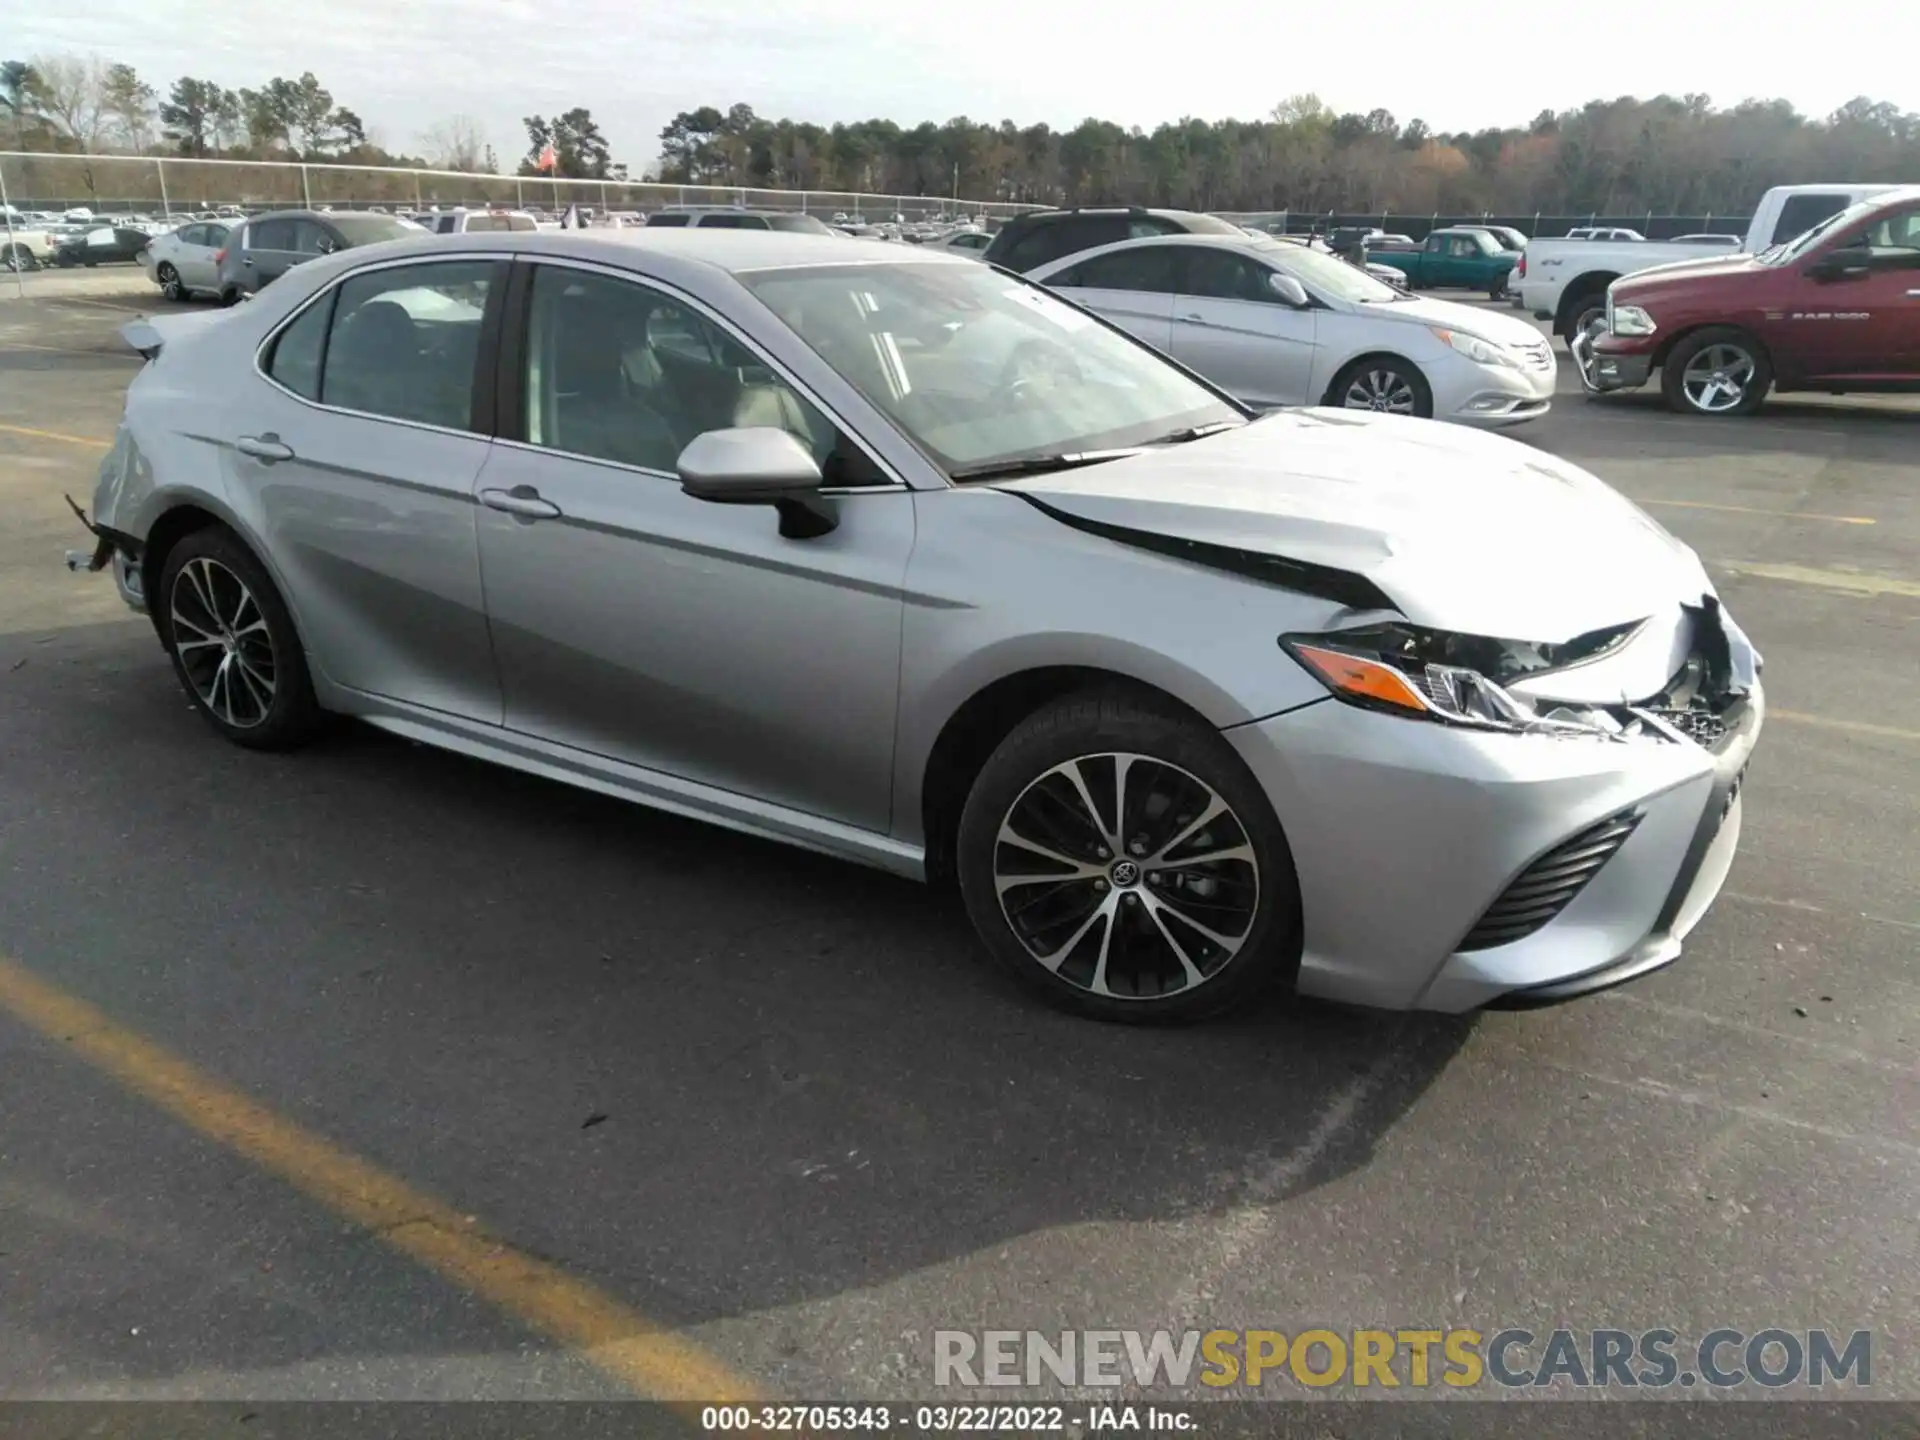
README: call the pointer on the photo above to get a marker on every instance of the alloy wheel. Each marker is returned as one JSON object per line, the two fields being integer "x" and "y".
{"x": 1717, "y": 378}
{"x": 170, "y": 282}
{"x": 1387, "y": 391}
{"x": 224, "y": 643}
{"x": 1127, "y": 877}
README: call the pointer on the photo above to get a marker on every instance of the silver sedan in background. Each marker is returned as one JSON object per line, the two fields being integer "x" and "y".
{"x": 185, "y": 262}
{"x": 896, "y": 556}
{"x": 1279, "y": 324}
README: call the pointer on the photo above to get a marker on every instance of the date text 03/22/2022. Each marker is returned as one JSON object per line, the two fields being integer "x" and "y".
{"x": 961, "y": 1419}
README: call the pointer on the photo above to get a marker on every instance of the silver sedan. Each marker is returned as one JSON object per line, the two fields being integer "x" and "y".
{"x": 1279, "y": 324}
{"x": 185, "y": 262}
{"x": 896, "y": 556}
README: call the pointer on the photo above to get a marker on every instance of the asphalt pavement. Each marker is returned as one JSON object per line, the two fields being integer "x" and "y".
{"x": 781, "y": 1113}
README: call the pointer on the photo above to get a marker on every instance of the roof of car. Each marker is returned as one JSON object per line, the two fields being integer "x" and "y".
{"x": 731, "y": 251}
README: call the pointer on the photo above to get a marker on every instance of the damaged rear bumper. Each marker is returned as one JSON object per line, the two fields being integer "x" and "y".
{"x": 113, "y": 550}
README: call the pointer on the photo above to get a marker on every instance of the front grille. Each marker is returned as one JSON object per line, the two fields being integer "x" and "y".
{"x": 1535, "y": 357}
{"x": 1548, "y": 885}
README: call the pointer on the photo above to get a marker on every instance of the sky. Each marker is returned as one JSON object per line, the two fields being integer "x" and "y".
{"x": 403, "y": 65}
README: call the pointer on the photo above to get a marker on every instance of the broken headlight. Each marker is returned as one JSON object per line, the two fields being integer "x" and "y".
{"x": 1454, "y": 679}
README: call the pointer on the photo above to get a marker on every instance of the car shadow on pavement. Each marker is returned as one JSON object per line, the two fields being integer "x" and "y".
{"x": 717, "y": 1075}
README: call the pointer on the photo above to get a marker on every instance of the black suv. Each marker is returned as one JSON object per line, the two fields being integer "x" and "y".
{"x": 1034, "y": 237}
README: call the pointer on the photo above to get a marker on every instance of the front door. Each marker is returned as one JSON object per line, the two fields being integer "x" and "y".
{"x": 1230, "y": 327}
{"x": 1862, "y": 323}
{"x": 1133, "y": 288}
{"x": 355, "y": 454}
{"x": 635, "y": 622}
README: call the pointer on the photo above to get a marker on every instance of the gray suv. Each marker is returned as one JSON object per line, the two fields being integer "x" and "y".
{"x": 265, "y": 247}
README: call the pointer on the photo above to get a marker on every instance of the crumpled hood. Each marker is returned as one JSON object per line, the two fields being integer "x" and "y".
{"x": 1462, "y": 530}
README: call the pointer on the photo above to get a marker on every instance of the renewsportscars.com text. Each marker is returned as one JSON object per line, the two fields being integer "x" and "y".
{"x": 1772, "y": 1358}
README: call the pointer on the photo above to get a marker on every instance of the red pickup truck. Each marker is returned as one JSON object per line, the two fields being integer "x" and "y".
{"x": 1837, "y": 310}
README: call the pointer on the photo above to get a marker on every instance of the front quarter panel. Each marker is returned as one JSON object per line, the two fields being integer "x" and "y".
{"x": 996, "y": 588}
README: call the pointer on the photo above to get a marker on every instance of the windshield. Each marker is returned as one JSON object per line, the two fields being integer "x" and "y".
{"x": 1854, "y": 214}
{"x": 371, "y": 229}
{"x": 1326, "y": 273}
{"x": 978, "y": 368}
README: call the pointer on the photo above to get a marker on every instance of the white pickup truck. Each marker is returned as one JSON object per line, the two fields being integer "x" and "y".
{"x": 1566, "y": 281}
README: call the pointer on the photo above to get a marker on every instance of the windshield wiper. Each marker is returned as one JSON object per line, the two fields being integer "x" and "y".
{"x": 1195, "y": 432}
{"x": 1037, "y": 464}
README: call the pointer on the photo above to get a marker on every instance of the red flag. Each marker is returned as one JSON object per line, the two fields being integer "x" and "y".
{"x": 549, "y": 159}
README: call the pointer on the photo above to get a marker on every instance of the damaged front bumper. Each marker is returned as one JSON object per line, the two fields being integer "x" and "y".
{"x": 1454, "y": 867}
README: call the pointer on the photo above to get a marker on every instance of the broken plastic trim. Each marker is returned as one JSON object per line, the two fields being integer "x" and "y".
{"x": 109, "y": 540}
{"x": 1323, "y": 582}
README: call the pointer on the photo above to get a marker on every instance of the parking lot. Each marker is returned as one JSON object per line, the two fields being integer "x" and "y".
{"x": 372, "y": 1072}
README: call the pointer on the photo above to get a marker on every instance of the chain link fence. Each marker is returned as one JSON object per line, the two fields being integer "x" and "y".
{"x": 165, "y": 189}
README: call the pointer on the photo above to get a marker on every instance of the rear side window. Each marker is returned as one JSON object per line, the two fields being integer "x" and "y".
{"x": 521, "y": 222}
{"x": 1149, "y": 268}
{"x": 664, "y": 219}
{"x": 404, "y": 342}
{"x": 295, "y": 358}
{"x": 270, "y": 235}
{"x": 1038, "y": 245}
{"x": 1801, "y": 213}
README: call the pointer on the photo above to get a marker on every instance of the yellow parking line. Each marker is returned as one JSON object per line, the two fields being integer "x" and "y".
{"x": 68, "y": 350}
{"x": 640, "y": 1355}
{"x": 1750, "y": 510}
{"x": 1857, "y": 727}
{"x": 1851, "y": 582}
{"x": 56, "y": 435}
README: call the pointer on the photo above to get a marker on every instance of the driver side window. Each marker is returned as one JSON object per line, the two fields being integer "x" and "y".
{"x": 1893, "y": 238}
{"x": 1219, "y": 274}
{"x": 619, "y": 371}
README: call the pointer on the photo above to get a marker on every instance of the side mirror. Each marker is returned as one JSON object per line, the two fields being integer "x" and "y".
{"x": 758, "y": 465}
{"x": 1841, "y": 264}
{"x": 1289, "y": 290}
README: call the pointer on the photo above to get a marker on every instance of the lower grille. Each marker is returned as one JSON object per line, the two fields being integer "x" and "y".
{"x": 1548, "y": 885}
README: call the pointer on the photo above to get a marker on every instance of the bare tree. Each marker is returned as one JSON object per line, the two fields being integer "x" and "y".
{"x": 456, "y": 143}
{"x": 129, "y": 103}
{"x": 72, "y": 91}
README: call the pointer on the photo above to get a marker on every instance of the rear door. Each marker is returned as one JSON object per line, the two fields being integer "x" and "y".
{"x": 1133, "y": 288}
{"x": 355, "y": 453}
{"x": 1230, "y": 327}
{"x": 271, "y": 249}
{"x": 194, "y": 257}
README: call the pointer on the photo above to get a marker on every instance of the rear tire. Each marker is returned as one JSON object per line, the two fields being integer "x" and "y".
{"x": 1171, "y": 897}
{"x": 169, "y": 279}
{"x": 233, "y": 643}
{"x": 17, "y": 258}
{"x": 229, "y": 297}
{"x": 1716, "y": 372}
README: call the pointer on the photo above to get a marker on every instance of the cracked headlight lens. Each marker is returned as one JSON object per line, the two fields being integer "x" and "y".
{"x": 1453, "y": 679}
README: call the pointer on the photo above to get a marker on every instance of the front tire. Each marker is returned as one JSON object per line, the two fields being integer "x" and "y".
{"x": 233, "y": 643}
{"x": 1118, "y": 859}
{"x": 1387, "y": 385}
{"x": 1719, "y": 371}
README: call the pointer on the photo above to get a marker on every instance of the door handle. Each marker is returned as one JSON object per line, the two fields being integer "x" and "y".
{"x": 246, "y": 260}
{"x": 522, "y": 500}
{"x": 265, "y": 448}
